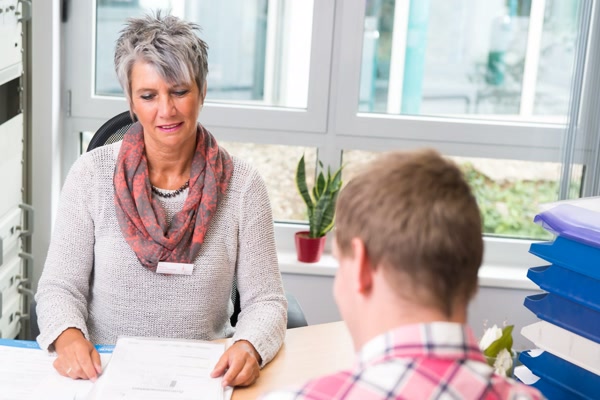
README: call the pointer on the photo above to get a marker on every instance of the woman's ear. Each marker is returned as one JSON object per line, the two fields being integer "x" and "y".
{"x": 132, "y": 111}
{"x": 204, "y": 92}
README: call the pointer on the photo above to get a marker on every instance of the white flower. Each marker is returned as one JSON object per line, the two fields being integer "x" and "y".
{"x": 503, "y": 363}
{"x": 490, "y": 336}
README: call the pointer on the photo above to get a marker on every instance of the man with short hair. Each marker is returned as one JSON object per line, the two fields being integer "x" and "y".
{"x": 409, "y": 244}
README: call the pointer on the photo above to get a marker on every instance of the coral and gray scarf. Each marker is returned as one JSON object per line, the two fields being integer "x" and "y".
{"x": 142, "y": 219}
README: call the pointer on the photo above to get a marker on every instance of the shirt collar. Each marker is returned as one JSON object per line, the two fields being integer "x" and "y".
{"x": 443, "y": 340}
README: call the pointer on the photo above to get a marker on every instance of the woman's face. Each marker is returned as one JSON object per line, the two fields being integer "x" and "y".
{"x": 168, "y": 113}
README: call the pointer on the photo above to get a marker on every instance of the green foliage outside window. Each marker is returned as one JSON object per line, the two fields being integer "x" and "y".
{"x": 508, "y": 207}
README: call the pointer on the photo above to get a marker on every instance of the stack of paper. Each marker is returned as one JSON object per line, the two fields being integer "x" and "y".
{"x": 568, "y": 364}
{"x": 139, "y": 368}
{"x": 142, "y": 368}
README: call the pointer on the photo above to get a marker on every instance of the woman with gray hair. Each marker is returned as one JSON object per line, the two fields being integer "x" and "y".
{"x": 152, "y": 231}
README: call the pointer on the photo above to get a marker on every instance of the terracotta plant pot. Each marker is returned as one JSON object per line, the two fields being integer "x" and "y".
{"x": 309, "y": 250}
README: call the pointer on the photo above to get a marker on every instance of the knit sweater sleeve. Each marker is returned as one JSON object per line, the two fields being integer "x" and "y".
{"x": 263, "y": 319}
{"x": 63, "y": 288}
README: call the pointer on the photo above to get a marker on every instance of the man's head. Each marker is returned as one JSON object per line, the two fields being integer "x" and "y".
{"x": 411, "y": 217}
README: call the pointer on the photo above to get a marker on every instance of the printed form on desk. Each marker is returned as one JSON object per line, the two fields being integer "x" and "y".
{"x": 138, "y": 369}
{"x": 165, "y": 369}
{"x": 27, "y": 373}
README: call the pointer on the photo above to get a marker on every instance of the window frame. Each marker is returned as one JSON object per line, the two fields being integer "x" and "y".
{"x": 84, "y": 103}
{"x": 496, "y": 137}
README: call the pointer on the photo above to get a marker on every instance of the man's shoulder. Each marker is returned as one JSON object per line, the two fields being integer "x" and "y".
{"x": 382, "y": 380}
{"x": 327, "y": 387}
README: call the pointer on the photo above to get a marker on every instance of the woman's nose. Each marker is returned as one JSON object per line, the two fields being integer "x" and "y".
{"x": 166, "y": 106}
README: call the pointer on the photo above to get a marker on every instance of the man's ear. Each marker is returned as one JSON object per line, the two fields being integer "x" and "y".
{"x": 363, "y": 273}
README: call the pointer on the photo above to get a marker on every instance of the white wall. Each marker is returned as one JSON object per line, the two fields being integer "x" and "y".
{"x": 496, "y": 305}
{"x": 46, "y": 123}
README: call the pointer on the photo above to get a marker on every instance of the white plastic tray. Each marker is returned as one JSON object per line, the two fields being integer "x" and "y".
{"x": 525, "y": 375}
{"x": 564, "y": 344}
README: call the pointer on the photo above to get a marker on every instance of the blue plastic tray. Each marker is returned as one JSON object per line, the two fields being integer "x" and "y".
{"x": 553, "y": 392}
{"x": 566, "y": 283}
{"x": 571, "y": 255}
{"x": 561, "y": 312}
{"x": 575, "y": 381}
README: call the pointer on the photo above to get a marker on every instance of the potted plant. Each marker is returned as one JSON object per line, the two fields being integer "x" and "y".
{"x": 320, "y": 204}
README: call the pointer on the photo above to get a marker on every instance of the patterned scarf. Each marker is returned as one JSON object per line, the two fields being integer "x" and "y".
{"x": 143, "y": 221}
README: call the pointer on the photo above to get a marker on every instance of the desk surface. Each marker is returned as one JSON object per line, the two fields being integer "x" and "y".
{"x": 307, "y": 352}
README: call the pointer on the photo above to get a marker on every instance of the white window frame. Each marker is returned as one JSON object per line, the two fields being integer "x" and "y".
{"x": 84, "y": 103}
{"x": 331, "y": 124}
{"x": 465, "y": 137}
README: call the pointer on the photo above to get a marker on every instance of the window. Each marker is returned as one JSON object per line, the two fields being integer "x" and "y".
{"x": 496, "y": 85}
{"x": 491, "y": 84}
{"x": 269, "y": 60}
{"x": 277, "y": 166}
{"x": 259, "y": 50}
{"x": 505, "y": 59}
{"x": 508, "y": 192}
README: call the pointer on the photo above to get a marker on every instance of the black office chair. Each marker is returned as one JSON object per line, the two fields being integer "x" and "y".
{"x": 113, "y": 131}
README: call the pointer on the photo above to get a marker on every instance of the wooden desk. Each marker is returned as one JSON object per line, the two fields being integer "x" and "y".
{"x": 306, "y": 353}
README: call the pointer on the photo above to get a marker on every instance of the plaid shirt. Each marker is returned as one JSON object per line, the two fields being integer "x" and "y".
{"x": 428, "y": 361}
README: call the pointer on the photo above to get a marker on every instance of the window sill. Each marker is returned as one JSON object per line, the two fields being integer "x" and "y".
{"x": 505, "y": 277}
{"x": 289, "y": 264}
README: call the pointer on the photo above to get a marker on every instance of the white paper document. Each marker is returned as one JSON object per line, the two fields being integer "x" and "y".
{"x": 26, "y": 372}
{"x": 151, "y": 369}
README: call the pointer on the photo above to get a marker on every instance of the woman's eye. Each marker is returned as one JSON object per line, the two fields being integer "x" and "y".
{"x": 147, "y": 96}
{"x": 181, "y": 93}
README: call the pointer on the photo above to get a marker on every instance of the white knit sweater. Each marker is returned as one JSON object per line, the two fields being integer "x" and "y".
{"x": 93, "y": 281}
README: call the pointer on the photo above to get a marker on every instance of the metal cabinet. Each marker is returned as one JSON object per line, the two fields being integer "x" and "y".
{"x": 14, "y": 213}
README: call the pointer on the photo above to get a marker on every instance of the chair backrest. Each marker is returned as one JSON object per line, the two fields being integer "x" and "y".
{"x": 114, "y": 130}
{"x": 111, "y": 131}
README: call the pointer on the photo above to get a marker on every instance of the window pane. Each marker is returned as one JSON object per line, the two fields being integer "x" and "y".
{"x": 259, "y": 50}
{"x": 277, "y": 165}
{"x": 84, "y": 141}
{"x": 499, "y": 59}
{"x": 508, "y": 192}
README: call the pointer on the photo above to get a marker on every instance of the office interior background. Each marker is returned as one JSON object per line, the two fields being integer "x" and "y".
{"x": 506, "y": 88}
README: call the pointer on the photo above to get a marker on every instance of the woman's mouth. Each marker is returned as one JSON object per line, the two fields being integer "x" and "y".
{"x": 170, "y": 127}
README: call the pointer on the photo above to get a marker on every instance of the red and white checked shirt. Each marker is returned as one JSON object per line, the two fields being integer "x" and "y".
{"x": 439, "y": 360}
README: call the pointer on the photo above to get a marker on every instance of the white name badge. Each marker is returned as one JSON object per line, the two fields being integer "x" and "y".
{"x": 172, "y": 268}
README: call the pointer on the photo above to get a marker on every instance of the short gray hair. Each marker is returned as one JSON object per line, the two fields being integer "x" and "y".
{"x": 168, "y": 43}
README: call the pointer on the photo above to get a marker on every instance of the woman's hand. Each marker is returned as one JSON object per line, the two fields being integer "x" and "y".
{"x": 77, "y": 357}
{"x": 242, "y": 363}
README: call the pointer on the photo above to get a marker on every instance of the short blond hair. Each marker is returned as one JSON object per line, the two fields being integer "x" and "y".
{"x": 419, "y": 221}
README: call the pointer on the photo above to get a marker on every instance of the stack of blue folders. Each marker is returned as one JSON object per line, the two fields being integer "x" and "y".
{"x": 567, "y": 366}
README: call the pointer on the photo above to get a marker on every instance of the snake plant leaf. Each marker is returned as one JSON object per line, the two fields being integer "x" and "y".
{"x": 302, "y": 186}
{"x": 328, "y": 218}
{"x": 321, "y": 206}
{"x": 320, "y": 186}
{"x": 324, "y": 211}
{"x": 504, "y": 342}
